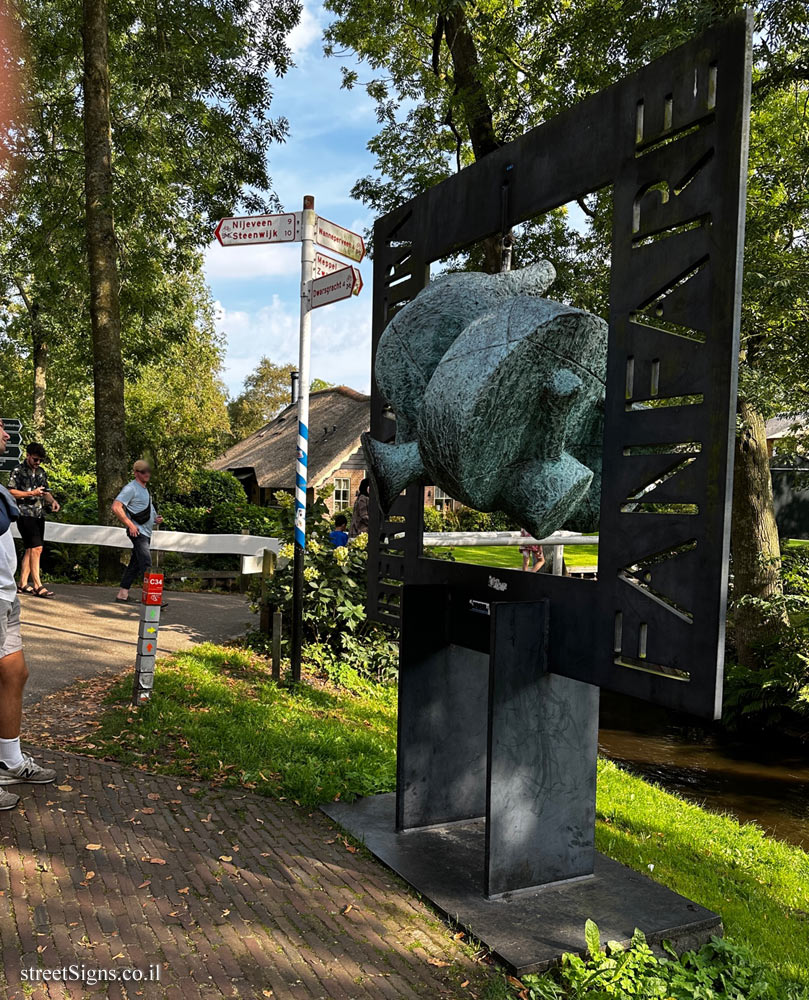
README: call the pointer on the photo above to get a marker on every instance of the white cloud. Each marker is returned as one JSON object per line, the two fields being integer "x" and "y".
{"x": 306, "y": 32}
{"x": 341, "y": 340}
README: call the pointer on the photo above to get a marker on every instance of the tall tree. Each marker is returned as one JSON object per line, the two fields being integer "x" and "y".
{"x": 189, "y": 127}
{"x": 102, "y": 256}
{"x": 266, "y": 391}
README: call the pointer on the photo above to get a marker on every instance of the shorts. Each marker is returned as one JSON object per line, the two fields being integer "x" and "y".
{"x": 10, "y": 634}
{"x": 32, "y": 531}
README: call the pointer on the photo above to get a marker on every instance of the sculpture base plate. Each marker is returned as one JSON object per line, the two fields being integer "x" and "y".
{"x": 528, "y": 930}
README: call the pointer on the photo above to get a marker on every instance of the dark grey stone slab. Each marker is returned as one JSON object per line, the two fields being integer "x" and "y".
{"x": 530, "y": 930}
{"x": 543, "y": 740}
{"x": 443, "y": 718}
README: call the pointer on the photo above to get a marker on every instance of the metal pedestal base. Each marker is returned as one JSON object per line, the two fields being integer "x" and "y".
{"x": 527, "y": 930}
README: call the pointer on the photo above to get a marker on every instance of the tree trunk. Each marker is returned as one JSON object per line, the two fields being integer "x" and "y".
{"x": 40, "y": 358}
{"x": 754, "y": 536}
{"x": 108, "y": 371}
{"x": 477, "y": 112}
{"x": 39, "y": 353}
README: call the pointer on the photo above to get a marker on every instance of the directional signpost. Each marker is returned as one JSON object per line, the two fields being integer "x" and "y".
{"x": 333, "y": 237}
{"x": 325, "y": 265}
{"x": 12, "y": 456}
{"x": 248, "y": 229}
{"x": 323, "y": 280}
{"x": 333, "y": 287}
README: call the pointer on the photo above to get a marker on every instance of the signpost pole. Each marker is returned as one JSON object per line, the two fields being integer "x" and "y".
{"x": 307, "y": 261}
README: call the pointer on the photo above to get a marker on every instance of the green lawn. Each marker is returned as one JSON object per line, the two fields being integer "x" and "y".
{"x": 508, "y": 556}
{"x": 216, "y": 715}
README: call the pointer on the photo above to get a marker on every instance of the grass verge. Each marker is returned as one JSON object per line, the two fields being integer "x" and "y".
{"x": 216, "y": 715}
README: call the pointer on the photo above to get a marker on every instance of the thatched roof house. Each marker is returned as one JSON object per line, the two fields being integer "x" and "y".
{"x": 265, "y": 461}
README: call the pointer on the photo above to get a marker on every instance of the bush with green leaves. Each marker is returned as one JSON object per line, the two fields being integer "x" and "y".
{"x": 774, "y": 697}
{"x": 720, "y": 970}
{"x": 336, "y": 630}
{"x": 76, "y": 494}
{"x": 208, "y": 488}
{"x": 467, "y": 519}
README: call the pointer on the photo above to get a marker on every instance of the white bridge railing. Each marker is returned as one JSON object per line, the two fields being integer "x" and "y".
{"x": 558, "y": 540}
{"x": 250, "y": 547}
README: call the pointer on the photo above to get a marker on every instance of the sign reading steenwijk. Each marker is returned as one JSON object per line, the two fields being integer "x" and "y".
{"x": 249, "y": 229}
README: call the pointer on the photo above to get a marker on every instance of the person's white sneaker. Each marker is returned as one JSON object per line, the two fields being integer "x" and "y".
{"x": 28, "y": 771}
{"x": 8, "y": 799}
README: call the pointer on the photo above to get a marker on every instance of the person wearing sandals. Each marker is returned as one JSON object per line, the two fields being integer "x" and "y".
{"x": 134, "y": 509}
{"x": 15, "y": 766}
{"x": 28, "y": 484}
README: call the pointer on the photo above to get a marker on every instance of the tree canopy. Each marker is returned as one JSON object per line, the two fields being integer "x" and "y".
{"x": 191, "y": 123}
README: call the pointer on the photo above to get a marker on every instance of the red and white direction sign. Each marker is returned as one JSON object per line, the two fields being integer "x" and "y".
{"x": 342, "y": 241}
{"x": 334, "y": 287}
{"x": 246, "y": 229}
{"x": 324, "y": 265}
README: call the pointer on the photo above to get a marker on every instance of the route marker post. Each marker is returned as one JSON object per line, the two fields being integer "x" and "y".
{"x": 149, "y": 625}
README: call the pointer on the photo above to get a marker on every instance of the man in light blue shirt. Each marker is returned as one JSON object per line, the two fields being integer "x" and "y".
{"x": 134, "y": 509}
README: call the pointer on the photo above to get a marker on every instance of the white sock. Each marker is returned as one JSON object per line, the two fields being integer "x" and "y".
{"x": 10, "y": 753}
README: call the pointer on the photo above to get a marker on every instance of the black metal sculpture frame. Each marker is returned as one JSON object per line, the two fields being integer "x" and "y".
{"x": 500, "y": 670}
{"x": 672, "y": 141}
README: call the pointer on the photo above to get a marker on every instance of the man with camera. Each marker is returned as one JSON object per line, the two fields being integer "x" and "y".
{"x": 28, "y": 484}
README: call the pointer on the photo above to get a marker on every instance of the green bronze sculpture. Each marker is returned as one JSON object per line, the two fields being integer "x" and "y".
{"x": 498, "y": 395}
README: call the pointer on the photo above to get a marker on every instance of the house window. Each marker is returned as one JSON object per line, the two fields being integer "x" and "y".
{"x": 443, "y": 501}
{"x": 342, "y": 493}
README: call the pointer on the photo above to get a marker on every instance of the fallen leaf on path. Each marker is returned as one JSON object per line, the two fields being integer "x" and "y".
{"x": 464, "y": 984}
{"x": 89, "y": 875}
{"x": 148, "y": 811}
{"x": 119, "y": 955}
{"x": 225, "y": 857}
{"x": 459, "y": 935}
{"x": 92, "y": 847}
{"x": 143, "y": 885}
{"x": 64, "y": 788}
{"x": 515, "y": 983}
{"x": 154, "y": 861}
{"x": 153, "y": 796}
{"x": 347, "y": 908}
{"x": 437, "y": 963}
{"x": 183, "y": 892}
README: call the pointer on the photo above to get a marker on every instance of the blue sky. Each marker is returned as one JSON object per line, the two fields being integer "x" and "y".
{"x": 257, "y": 288}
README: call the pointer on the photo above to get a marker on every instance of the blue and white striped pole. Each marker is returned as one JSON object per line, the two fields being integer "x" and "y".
{"x": 302, "y": 457}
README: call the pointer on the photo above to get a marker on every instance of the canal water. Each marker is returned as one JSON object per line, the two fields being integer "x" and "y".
{"x": 758, "y": 781}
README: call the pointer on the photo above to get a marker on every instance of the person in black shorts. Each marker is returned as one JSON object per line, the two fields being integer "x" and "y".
{"x": 28, "y": 484}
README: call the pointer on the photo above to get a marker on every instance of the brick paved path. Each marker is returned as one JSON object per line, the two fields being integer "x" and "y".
{"x": 234, "y": 894}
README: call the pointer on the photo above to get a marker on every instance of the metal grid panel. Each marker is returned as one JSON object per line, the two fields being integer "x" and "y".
{"x": 672, "y": 141}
